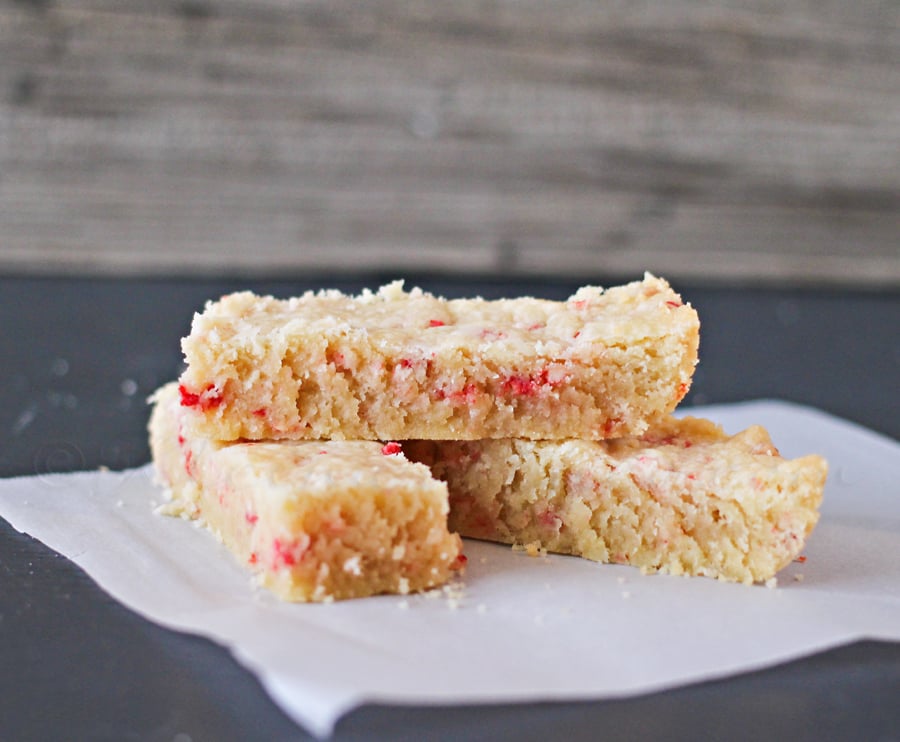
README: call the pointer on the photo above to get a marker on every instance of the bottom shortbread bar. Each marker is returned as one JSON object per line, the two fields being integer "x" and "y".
{"x": 317, "y": 521}
{"x": 684, "y": 498}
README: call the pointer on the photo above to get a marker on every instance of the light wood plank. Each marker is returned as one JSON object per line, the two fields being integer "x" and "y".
{"x": 721, "y": 140}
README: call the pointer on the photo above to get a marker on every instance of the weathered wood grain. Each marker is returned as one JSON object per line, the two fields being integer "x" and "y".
{"x": 726, "y": 140}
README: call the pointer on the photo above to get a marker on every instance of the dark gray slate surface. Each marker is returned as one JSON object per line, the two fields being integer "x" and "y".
{"x": 80, "y": 356}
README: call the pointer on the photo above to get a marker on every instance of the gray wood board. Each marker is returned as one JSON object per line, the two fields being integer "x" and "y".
{"x": 719, "y": 140}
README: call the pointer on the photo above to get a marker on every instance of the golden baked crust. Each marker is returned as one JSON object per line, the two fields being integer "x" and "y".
{"x": 395, "y": 365}
{"x": 684, "y": 498}
{"x": 316, "y": 521}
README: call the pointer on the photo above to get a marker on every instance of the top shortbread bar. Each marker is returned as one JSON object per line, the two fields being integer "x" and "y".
{"x": 395, "y": 365}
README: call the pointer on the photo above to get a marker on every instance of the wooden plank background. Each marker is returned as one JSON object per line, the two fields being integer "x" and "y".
{"x": 732, "y": 140}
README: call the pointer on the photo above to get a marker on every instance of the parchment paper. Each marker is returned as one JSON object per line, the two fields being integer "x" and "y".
{"x": 518, "y": 628}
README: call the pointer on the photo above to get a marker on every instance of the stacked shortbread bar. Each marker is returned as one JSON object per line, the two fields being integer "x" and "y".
{"x": 398, "y": 365}
{"x": 295, "y": 429}
{"x": 316, "y": 520}
{"x": 683, "y": 498}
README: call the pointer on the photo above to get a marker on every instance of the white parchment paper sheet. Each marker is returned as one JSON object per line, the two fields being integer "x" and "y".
{"x": 522, "y": 628}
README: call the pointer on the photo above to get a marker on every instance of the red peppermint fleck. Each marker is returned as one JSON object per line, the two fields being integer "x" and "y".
{"x": 251, "y": 518}
{"x": 468, "y": 394}
{"x": 520, "y": 385}
{"x": 491, "y": 334}
{"x": 682, "y": 390}
{"x": 526, "y": 386}
{"x": 549, "y": 519}
{"x": 389, "y": 449}
{"x": 673, "y": 304}
{"x": 283, "y": 555}
{"x": 252, "y": 559}
{"x": 288, "y": 554}
{"x": 405, "y": 363}
{"x": 580, "y": 303}
{"x": 261, "y": 412}
{"x": 208, "y": 399}
{"x": 211, "y": 399}
{"x": 188, "y": 399}
{"x": 800, "y": 560}
{"x": 692, "y": 476}
{"x": 180, "y": 439}
{"x": 611, "y": 425}
{"x": 435, "y": 323}
{"x": 460, "y": 561}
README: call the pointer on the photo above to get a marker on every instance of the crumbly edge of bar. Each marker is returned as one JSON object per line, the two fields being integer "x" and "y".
{"x": 687, "y": 500}
{"x": 349, "y": 384}
{"x": 355, "y": 543}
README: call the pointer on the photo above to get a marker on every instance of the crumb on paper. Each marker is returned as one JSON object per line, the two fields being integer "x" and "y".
{"x": 165, "y": 508}
{"x": 454, "y": 590}
{"x": 532, "y": 548}
{"x": 798, "y": 577}
{"x": 772, "y": 582}
{"x": 403, "y": 605}
{"x": 621, "y": 580}
{"x": 455, "y": 593}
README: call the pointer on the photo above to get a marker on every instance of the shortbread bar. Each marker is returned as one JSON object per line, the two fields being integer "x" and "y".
{"x": 684, "y": 498}
{"x": 396, "y": 365}
{"x": 317, "y": 521}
